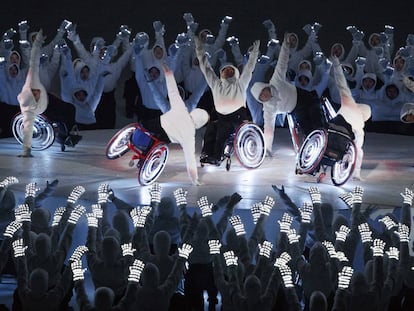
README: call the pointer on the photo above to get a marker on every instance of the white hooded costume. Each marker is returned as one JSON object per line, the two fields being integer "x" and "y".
{"x": 29, "y": 106}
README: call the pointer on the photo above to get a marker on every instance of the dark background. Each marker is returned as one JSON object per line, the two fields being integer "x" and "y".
{"x": 103, "y": 18}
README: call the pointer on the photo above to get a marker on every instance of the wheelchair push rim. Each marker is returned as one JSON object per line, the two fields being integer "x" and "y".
{"x": 153, "y": 165}
{"x": 43, "y": 132}
{"x": 343, "y": 169}
{"x": 249, "y": 145}
{"x": 119, "y": 143}
{"x": 312, "y": 151}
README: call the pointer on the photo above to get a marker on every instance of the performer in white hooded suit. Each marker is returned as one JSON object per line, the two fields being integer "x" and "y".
{"x": 33, "y": 98}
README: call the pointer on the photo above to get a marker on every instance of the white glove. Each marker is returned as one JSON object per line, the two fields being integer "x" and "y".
{"x": 77, "y": 270}
{"x": 393, "y": 253}
{"x": 342, "y": 233}
{"x": 180, "y": 196}
{"x": 185, "y": 250}
{"x": 256, "y": 211}
{"x": 267, "y": 205}
{"x": 306, "y": 212}
{"x": 31, "y": 190}
{"x": 230, "y": 258}
{"x": 205, "y": 207}
{"x": 283, "y": 259}
{"x": 407, "y": 196}
{"x": 75, "y": 194}
{"x": 135, "y": 271}
{"x": 378, "y": 248}
{"x": 103, "y": 193}
{"x": 214, "y": 246}
{"x": 12, "y": 228}
{"x": 403, "y": 233}
{"x": 57, "y": 216}
{"x": 92, "y": 220}
{"x": 285, "y": 223}
{"x": 24, "y": 212}
{"x": 97, "y": 210}
{"x": 344, "y": 277}
{"x": 388, "y": 222}
{"x": 10, "y": 180}
{"x": 237, "y": 224}
{"x": 127, "y": 249}
{"x": 286, "y": 275}
{"x": 365, "y": 233}
{"x": 155, "y": 193}
{"x": 18, "y": 248}
{"x": 315, "y": 195}
{"x": 227, "y": 20}
{"x": 292, "y": 236}
{"x": 78, "y": 253}
{"x": 77, "y": 212}
{"x": 265, "y": 249}
{"x": 330, "y": 248}
{"x": 358, "y": 194}
{"x": 348, "y": 198}
{"x": 341, "y": 256}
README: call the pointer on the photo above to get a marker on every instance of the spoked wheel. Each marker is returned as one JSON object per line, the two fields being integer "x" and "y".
{"x": 312, "y": 151}
{"x": 153, "y": 165}
{"x": 43, "y": 131}
{"x": 118, "y": 145}
{"x": 343, "y": 169}
{"x": 249, "y": 145}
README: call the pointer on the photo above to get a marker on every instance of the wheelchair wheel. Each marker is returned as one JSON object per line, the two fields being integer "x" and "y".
{"x": 312, "y": 151}
{"x": 249, "y": 145}
{"x": 43, "y": 131}
{"x": 118, "y": 145}
{"x": 343, "y": 169}
{"x": 153, "y": 165}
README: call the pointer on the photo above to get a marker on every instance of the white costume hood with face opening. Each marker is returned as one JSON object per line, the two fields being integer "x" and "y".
{"x": 408, "y": 108}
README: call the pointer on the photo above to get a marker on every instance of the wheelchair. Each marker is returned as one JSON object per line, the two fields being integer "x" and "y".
{"x": 150, "y": 153}
{"x": 247, "y": 143}
{"x": 45, "y": 132}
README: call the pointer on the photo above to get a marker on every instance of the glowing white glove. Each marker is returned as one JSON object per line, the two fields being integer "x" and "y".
{"x": 230, "y": 258}
{"x": 10, "y": 180}
{"x": 103, "y": 193}
{"x": 265, "y": 249}
{"x": 393, "y": 253}
{"x": 283, "y": 259}
{"x": 155, "y": 193}
{"x": 18, "y": 248}
{"x": 92, "y": 220}
{"x": 97, "y": 210}
{"x": 57, "y": 215}
{"x": 127, "y": 249}
{"x": 365, "y": 233}
{"x": 388, "y": 222}
{"x": 267, "y": 205}
{"x": 306, "y": 212}
{"x": 24, "y": 212}
{"x": 31, "y": 190}
{"x": 344, "y": 277}
{"x": 407, "y": 196}
{"x": 135, "y": 271}
{"x": 214, "y": 246}
{"x": 185, "y": 250}
{"x": 285, "y": 223}
{"x": 378, "y": 248}
{"x": 180, "y": 196}
{"x": 237, "y": 224}
{"x": 292, "y": 236}
{"x": 77, "y": 212}
{"x": 403, "y": 233}
{"x": 77, "y": 270}
{"x": 286, "y": 274}
{"x": 348, "y": 198}
{"x": 227, "y": 20}
{"x": 256, "y": 211}
{"x": 341, "y": 256}
{"x": 342, "y": 233}
{"x": 205, "y": 207}
{"x": 315, "y": 195}
{"x": 78, "y": 253}
{"x": 75, "y": 194}
{"x": 358, "y": 194}
{"x": 330, "y": 248}
{"x": 12, "y": 228}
